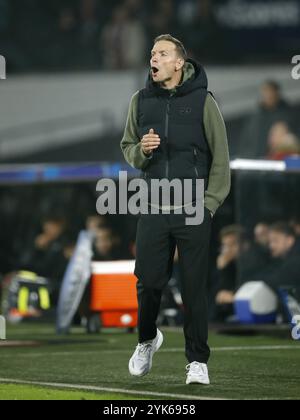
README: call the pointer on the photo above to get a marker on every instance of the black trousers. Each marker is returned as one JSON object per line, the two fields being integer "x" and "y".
{"x": 157, "y": 237}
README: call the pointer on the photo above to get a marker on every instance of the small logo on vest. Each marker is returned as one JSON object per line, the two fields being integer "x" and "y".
{"x": 185, "y": 111}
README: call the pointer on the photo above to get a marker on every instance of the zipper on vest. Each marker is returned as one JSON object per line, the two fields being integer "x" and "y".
{"x": 195, "y": 163}
{"x": 166, "y": 136}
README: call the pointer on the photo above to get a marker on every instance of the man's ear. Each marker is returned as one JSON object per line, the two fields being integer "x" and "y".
{"x": 179, "y": 64}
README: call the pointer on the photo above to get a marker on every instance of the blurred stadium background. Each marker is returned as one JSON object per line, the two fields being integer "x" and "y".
{"x": 72, "y": 66}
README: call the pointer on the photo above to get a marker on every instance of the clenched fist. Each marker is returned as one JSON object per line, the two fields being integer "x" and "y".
{"x": 150, "y": 142}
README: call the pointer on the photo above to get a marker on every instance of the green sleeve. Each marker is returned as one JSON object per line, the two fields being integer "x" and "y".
{"x": 219, "y": 177}
{"x": 131, "y": 143}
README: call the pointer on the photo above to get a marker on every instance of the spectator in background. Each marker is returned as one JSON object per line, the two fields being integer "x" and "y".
{"x": 47, "y": 248}
{"x": 285, "y": 267}
{"x": 201, "y": 30}
{"x": 261, "y": 241}
{"x": 123, "y": 41}
{"x": 137, "y": 9}
{"x": 95, "y": 222}
{"x": 88, "y": 21}
{"x": 185, "y": 12}
{"x": 162, "y": 19}
{"x": 281, "y": 142}
{"x": 261, "y": 235}
{"x": 52, "y": 230}
{"x": 239, "y": 261}
{"x": 227, "y": 272}
{"x": 295, "y": 225}
{"x": 106, "y": 245}
{"x": 50, "y": 253}
{"x": 89, "y": 29}
{"x": 272, "y": 108}
{"x": 65, "y": 50}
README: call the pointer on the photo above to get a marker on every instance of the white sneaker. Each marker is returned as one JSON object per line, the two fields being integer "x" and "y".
{"x": 141, "y": 361}
{"x": 197, "y": 373}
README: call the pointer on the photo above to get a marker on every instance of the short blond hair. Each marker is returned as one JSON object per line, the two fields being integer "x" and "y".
{"x": 180, "y": 49}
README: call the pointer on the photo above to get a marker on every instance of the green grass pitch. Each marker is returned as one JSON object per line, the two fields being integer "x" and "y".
{"x": 89, "y": 367}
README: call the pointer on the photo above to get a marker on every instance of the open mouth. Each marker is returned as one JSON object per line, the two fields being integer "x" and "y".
{"x": 154, "y": 70}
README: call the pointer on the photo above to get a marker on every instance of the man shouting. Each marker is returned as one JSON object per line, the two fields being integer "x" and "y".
{"x": 175, "y": 130}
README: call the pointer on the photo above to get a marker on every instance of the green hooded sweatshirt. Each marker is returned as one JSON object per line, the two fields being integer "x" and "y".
{"x": 215, "y": 131}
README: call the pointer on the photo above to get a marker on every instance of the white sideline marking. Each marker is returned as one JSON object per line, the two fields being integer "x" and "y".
{"x": 102, "y": 389}
{"x": 168, "y": 350}
{"x": 255, "y": 348}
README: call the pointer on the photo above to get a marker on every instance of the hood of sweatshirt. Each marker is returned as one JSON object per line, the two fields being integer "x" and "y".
{"x": 194, "y": 77}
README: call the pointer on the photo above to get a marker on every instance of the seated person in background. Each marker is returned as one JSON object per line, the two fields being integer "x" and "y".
{"x": 237, "y": 263}
{"x": 227, "y": 272}
{"x": 281, "y": 142}
{"x": 250, "y": 257}
{"x": 285, "y": 267}
{"x": 95, "y": 222}
{"x": 106, "y": 245}
{"x": 49, "y": 254}
{"x": 46, "y": 251}
{"x": 253, "y": 258}
{"x": 295, "y": 225}
{"x": 261, "y": 235}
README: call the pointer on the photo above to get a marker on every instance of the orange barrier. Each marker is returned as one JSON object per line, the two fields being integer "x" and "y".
{"x": 113, "y": 293}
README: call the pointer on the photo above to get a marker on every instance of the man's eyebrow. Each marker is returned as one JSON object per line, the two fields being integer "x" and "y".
{"x": 159, "y": 51}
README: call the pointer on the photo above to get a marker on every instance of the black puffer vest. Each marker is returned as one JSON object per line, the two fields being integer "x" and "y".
{"x": 178, "y": 119}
